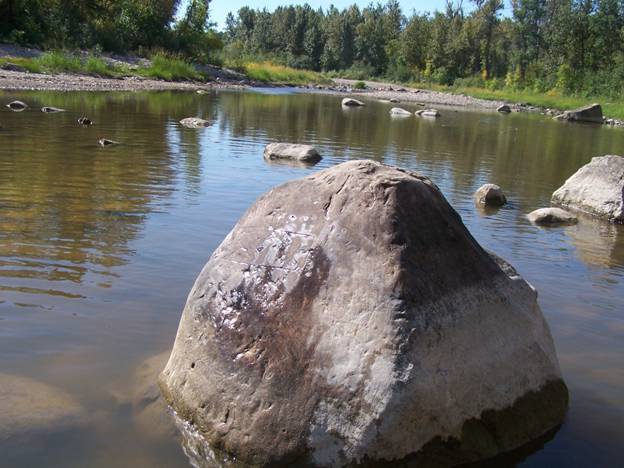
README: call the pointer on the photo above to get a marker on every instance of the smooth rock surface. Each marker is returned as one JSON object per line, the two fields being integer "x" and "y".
{"x": 29, "y": 408}
{"x": 107, "y": 142}
{"x": 429, "y": 113}
{"x": 194, "y": 122}
{"x": 504, "y": 109}
{"x": 551, "y": 216}
{"x": 292, "y": 151}
{"x": 596, "y": 188}
{"x": 350, "y": 102}
{"x": 398, "y": 112}
{"x": 591, "y": 113}
{"x": 351, "y": 317}
{"x": 490, "y": 195}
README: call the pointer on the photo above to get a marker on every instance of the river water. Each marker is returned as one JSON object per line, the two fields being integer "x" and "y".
{"x": 100, "y": 246}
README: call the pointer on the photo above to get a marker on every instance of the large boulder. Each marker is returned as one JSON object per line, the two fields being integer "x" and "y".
{"x": 361, "y": 323}
{"x": 292, "y": 152}
{"x": 591, "y": 113}
{"x": 596, "y": 188}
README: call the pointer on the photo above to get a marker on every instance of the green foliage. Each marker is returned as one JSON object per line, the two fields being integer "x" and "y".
{"x": 279, "y": 74}
{"x": 360, "y": 85}
{"x": 168, "y": 68}
{"x": 58, "y": 61}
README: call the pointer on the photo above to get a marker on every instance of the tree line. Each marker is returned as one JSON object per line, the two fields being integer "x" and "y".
{"x": 110, "y": 25}
{"x": 575, "y": 46}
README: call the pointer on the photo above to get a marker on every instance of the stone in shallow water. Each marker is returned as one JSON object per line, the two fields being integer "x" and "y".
{"x": 504, "y": 109}
{"x": 17, "y": 106}
{"x": 30, "y": 408}
{"x": 291, "y": 151}
{"x": 490, "y": 195}
{"x": 351, "y": 317}
{"x": 194, "y": 122}
{"x": 596, "y": 188}
{"x": 51, "y": 110}
{"x": 350, "y": 102}
{"x": 399, "y": 112}
{"x": 551, "y": 216}
{"x": 591, "y": 114}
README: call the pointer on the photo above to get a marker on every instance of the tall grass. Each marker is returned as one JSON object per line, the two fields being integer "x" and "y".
{"x": 27, "y": 63}
{"x": 278, "y": 74}
{"x": 170, "y": 69}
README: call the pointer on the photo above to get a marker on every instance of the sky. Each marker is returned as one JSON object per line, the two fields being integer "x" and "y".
{"x": 220, "y": 8}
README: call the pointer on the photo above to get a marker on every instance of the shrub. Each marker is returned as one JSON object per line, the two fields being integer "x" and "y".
{"x": 58, "y": 61}
{"x": 170, "y": 69}
{"x": 360, "y": 85}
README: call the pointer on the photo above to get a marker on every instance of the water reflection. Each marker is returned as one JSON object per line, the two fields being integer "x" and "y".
{"x": 99, "y": 246}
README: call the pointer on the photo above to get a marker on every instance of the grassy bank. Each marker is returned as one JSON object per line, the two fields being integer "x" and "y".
{"x": 162, "y": 67}
{"x": 270, "y": 72}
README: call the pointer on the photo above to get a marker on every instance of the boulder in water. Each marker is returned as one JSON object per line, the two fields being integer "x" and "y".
{"x": 432, "y": 113}
{"x": 350, "y": 317}
{"x": 596, "y": 188}
{"x": 551, "y": 216}
{"x": 398, "y": 112}
{"x": 490, "y": 195}
{"x": 85, "y": 121}
{"x": 591, "y": 113}
{"x": 107, "y": 142}
{"x": 194, "y": 122}
{"x": 17, "y": 106}
{"x": 350, "y": 102}
{"x": 504, "y": 109}
{"x": 292, "y": 151}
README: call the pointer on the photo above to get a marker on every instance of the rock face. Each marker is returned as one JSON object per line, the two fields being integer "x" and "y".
{"x": 596, "y": 188}
{"x": 551, "y": 216}
{"x": 361, "y": 322}
{"x": 194, "y": 122}
{"x": 504, "y": 109}
{"x": 591, "y": 113}
{"x": 28, "y": 408}
{"x": 293, "y": 152}
{"x": 490, "y": 195}
{"x": 350, "y": 102}
{"x": 398, "y": 112}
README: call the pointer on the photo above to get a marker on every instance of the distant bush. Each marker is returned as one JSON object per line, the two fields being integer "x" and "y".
{"x": 58, "y": 61}
{"x": 272, "y": 73}
{"x": 360, "y": 85}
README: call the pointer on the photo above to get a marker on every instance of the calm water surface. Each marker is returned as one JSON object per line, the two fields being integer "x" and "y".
{"x": 100, "y": 246}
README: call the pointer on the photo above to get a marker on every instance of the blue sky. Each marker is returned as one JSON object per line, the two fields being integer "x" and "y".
{"x": 220, "y": 8}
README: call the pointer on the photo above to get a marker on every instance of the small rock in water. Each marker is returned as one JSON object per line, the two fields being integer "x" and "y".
{"x": 107, "y": 142}
{"x": 504, "y": 109}
{"x": 201, "y": 91}
{"x": 194, "y": 122}
{"x": 350, "y": 102}
{"x": 398, "y": 112}
{"x": 490, "y": 195}
{"x": 428, "y": 113}
{"x": 394, "y": 100}
{"x": 551, "y": 216}
{"x": 295, "y": 152}
{"x": 17, "y": 106}
{"x": 85, "y": 121}
{"x": 49, "y": 110}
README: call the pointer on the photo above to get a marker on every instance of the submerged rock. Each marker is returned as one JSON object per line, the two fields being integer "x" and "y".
{"x": 107, "y": 142}
{"x": 29, "y": 408}
{"x": 292, "y": 151}
{"x": 394, "y": 100}
{"x": 351, "y": 317}
{"x": 350, "y": 102}
{"x": 504, "y": 109}
{"x": 591, "y": 113}
{"x": 490, "y": 195}
{"x": 552, "y": 216}
{"x": 50, "y": 110}
{"x": 596, "y": 188}
{"x": 85, "y": 121}
{"x": 398, "y": 112}
{"x": 17, "y": 106}
{"x": 194, "y": 122}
